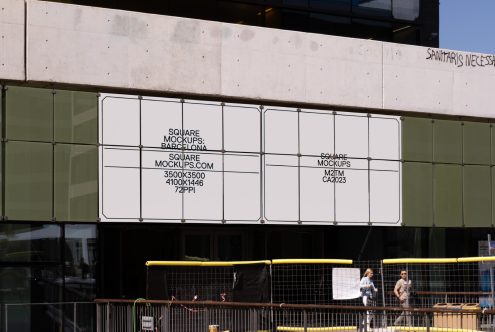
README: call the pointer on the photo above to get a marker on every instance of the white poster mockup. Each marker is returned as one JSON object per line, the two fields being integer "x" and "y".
{"x": 170, "y": 160}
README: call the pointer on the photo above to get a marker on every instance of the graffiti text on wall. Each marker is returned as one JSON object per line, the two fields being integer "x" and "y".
{"x": 461, "y": 59}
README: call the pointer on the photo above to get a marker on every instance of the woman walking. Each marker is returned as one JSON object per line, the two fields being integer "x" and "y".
{"x": 368, "y": 293}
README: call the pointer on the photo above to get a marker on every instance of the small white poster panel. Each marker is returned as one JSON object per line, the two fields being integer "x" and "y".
{"x": 345, "y": 283}
{"x": 147, "y": 323}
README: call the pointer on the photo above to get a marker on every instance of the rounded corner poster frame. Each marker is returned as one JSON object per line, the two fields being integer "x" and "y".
{"x": 174, "y": 160}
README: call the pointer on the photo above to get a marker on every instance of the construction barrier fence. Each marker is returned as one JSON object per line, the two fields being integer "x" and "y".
{"x": 165, "y": 316}
{"x": 452, "y": 282}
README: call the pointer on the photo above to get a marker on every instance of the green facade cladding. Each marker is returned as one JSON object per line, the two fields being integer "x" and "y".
{"x": 49, "y": 155}
{"x": 50, "y": 162}
{"x": 447, "y": 172}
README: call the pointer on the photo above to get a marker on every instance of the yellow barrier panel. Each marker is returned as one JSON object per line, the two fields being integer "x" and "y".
{"x": 196, "y": 263}
{"x": 431, "y": 329}
{"x": 312, "y": 261}
{"x": 419, "y": 260}
{"x": 475, "y": 259}
{"x": 317, "y": 329}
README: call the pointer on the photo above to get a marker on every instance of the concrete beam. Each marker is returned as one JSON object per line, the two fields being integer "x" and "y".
{"x": 12, "y": 22}
{"x": 103, "y": 48}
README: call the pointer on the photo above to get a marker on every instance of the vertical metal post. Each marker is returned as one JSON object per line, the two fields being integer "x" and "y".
{"x": 305, "y": 318}
{"x": 75, "y": 316}
{"x": 164, "y": 318}
{"x": 206, "y": 319}
{"x": 251, "y": 320}
{"x": 107, "y": 319}
{"x": 6, "y": 317}
{"x": 272, "y": 313}
{"x": 427, "y": 321}
{"x": 384, "y": 320}
{"x": 489, "y": 237}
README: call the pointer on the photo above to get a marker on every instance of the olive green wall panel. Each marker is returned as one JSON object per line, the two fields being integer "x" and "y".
{"x": 29, "y": 114}
{"x": 476, "y": 143}
{"x": 28, "y": 181}
{"x": 447, "y": 195}
{"x": 417, "y": 203}
{"x": 417, "y": 139}
{"x": 76, "y": 117}
{"x": 477, "y": 196}
{"x": 447, "y": 141}
{"x": 76, "y": 182}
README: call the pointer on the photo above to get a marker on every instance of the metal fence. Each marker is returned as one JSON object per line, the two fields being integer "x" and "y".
{"x": 310, "y": 281}
{"x": 56, "y": 316}
{"x": 164, "y": 316}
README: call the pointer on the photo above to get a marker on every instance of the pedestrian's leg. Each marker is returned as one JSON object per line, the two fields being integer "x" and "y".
{"x": 400, "y": 318}
{"x": 366, "y": 319}
{"x": 408, "y": 314}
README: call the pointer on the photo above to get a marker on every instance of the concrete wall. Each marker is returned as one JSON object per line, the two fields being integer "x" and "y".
{"x": 105, "y": 48}
{"x": 12, "y": 23}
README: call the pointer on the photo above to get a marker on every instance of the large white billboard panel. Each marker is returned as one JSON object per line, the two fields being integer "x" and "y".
{"x": 171, "y": 160}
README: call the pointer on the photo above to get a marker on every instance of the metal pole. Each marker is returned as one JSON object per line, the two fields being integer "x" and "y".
{"x": 75, "y": 317}
{"x": 384, "y": 320}
{"x": 107, "y": 323}
{"x": 6, "y": 318}
{"x": 491, "y": 267}
{"x": 305, "y": 317}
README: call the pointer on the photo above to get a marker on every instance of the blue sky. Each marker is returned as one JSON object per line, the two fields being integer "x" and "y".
{"x": 468, "y": 25}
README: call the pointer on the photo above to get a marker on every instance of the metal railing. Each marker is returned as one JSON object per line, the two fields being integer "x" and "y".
{"x": 165, "y": 316}
{"x": 53, "y": 316}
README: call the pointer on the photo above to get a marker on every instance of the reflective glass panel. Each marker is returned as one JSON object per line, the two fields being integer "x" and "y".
{"x": 295, "y": 3}
{"x": 229, "y": 247}
{"x": 33, "y": 284}
{"x": 331, "y": 5}
{"x": 76, "y": 182}
{"x": 372, "y": 7}
{"x": 31, "y": 293}
{"x": 29, "y": 242}
{"x": 80, "y": 262}
{"x": 28, "y": 181}
{"x": 407, "y": 10}
{"x": 197, "y": 247}
{"x": 76, "y": 119}
{"x": 29, "y": 114}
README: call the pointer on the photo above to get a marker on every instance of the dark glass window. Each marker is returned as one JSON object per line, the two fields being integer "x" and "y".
{"x": 29, "y": 243}
{"x": 197, "y": 247}
{"x": 229, "y": 247}
{"x": 80, "y": 262}
{"x": 372, "y": 7}
{"x": 407, "y": 10}
{"x": 343, "y": 6}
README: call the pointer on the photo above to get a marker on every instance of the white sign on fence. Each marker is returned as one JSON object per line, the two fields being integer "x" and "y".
{"x": 345, "y": 283}
{"x": 147, "y": 323}
{"x": 170, "y": 160}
